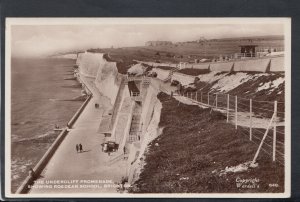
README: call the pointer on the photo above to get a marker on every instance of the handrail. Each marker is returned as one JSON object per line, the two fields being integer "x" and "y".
{"x": 78, "y": 112}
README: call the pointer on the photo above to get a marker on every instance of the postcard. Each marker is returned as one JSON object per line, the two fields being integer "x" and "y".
{"x": 148, "y": 107}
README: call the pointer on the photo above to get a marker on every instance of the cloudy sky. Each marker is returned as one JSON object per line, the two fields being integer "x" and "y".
{"x": 40, "y": 40}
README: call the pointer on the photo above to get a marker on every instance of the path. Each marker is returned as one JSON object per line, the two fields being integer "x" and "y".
{"x": 92, "y": 164}
{"x": 243, "y": 117}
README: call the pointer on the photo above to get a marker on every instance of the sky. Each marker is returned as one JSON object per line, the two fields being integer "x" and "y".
{"x": 43, "y": 40}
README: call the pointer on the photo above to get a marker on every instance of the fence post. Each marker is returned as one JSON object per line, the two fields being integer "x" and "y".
{"x": 250, "y": 119}
{"x": 274, "y": 131}
{"x": 263, "y": 139}
{"x": 196, "y": 96}
{"x": 216, "y": 100}
{"x": 227, "y": 108}
{"x": 208, "y": 98}
{"x": 235, "y": 112}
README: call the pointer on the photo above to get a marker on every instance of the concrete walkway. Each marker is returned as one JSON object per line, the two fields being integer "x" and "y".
{"x": 91, "y": 164}
{"x": 243, "y": 117}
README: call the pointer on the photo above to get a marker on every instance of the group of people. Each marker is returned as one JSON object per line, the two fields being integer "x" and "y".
{"x": 79, "y": 148}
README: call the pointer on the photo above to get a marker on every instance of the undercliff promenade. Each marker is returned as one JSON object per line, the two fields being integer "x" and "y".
{"x": 92, "y": 163}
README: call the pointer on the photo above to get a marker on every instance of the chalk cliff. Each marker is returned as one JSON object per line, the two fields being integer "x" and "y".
{"x": 104, "y": 73}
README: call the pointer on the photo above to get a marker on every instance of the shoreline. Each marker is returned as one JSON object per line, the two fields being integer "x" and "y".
{"x": 42, "y": 163}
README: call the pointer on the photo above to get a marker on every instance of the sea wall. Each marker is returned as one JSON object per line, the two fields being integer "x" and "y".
{"x": 78, "y": 112}
{"x": 183, "y": 78}
{"x": 24, "y": 188}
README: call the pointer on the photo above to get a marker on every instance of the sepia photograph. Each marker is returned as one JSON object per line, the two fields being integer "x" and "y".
{"x": 144, "y": 107}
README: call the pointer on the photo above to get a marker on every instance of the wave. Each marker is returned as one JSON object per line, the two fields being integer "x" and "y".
{"x": 22, "y": 123}
{"x": 71, "y": 78}
{"x": 72, "y": 86}
{"x": 19, "y": 166}
{"x": 37, "y": 139}
{"x": 78, "y": 98}
{"x": 54, "y": 99}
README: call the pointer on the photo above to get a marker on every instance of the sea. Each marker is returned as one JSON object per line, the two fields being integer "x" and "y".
{"x": 44, "y": 94}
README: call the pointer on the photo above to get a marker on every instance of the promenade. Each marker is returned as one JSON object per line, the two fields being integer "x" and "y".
{"x": 92, "y": 163}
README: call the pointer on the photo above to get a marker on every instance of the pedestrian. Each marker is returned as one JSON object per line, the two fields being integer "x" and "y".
{"x": 123, "y": 183}
{"x": 124, "y": 150}
{"x": 77, "y": 148}
{"x": 80, "y": 147}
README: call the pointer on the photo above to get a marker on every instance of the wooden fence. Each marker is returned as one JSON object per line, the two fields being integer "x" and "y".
{"x": 263, "y": 122}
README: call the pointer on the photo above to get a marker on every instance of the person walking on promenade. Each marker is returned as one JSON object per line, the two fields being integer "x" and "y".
{"x": 80, "y": 147}
{"x": 77, "y": 148}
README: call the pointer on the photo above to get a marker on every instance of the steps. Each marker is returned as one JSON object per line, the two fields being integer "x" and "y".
{"x": 117, "y": 103}
{"x": 135, "y": 133}
{"x": 171, "y": 74}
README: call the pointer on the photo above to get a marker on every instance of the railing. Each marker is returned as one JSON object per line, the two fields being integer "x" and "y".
{"x": 134, "y": 137}
{"x": 263, "y": 122}
{"x": 117, "y": 104}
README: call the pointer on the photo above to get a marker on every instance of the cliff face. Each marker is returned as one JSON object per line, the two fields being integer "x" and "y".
{"x": 108, "y": 80}
{"x": 89, "y": 63}
{"x": 105, "y": 74}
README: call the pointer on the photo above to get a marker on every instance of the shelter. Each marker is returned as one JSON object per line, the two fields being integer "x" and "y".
{"x": 248, "y": 50}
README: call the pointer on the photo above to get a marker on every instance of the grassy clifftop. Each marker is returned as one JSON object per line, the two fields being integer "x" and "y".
{"x": 193, "y": 149}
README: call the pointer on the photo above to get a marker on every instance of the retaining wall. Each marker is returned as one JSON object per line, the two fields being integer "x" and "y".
{"x": 156, "y": 64}
{"x": 272, "y": 64}
{"x": 221, "y": 66}
{"x": 148, "y": 105}
{"x": 277, "y": 64}
{"x": 200, "y": 66}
